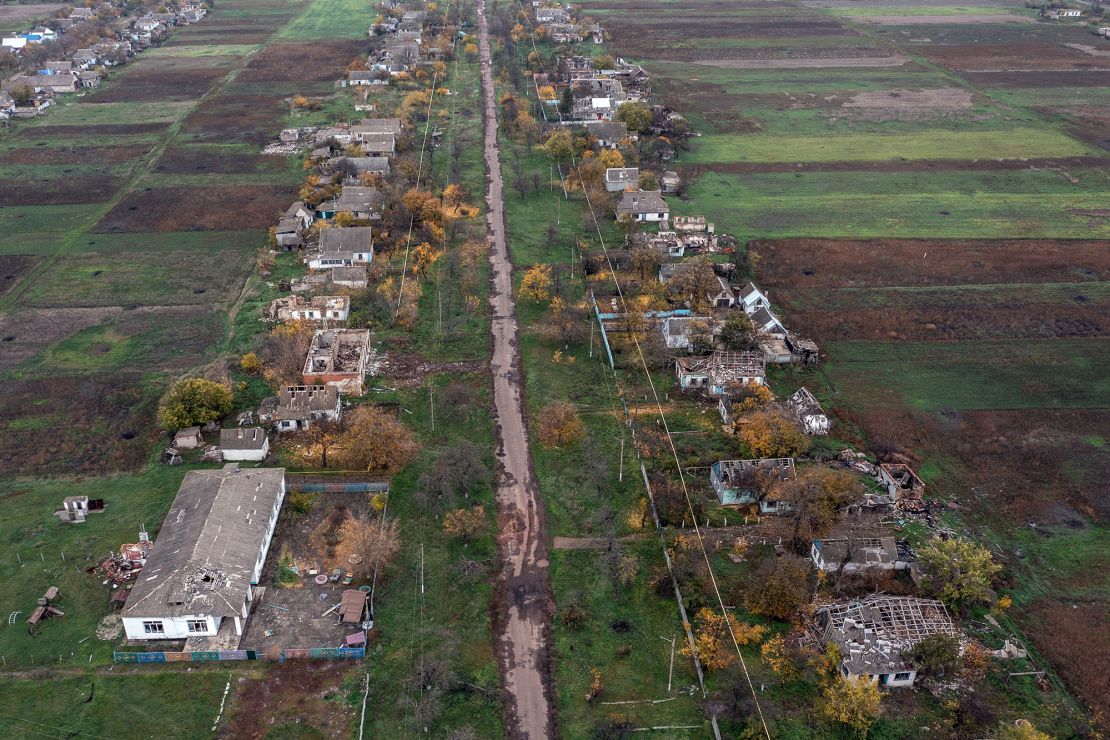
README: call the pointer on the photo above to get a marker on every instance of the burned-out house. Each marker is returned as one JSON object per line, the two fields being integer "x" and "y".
{"x": 338, "y": 357}
{"x": 321, "y": 308}
{"x": 199, "y": 581}
{"x": 873, "y": 633}
{"x": 297, "y": 407}
{"x": 740, "y": 482}
{"x": 901, "y": 482}
{"x": 854, "y": 553}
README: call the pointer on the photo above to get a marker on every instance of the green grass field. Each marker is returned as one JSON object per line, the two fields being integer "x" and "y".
{"x": 925, "y": 144}
{"x": 330, "y": 19}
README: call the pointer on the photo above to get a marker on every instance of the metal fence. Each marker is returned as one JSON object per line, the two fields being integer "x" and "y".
{"x": 203, "y": 656}
{"x": 339, "y": 482}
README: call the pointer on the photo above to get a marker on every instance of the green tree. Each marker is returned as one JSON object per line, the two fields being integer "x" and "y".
{"x": 193, "y": 402}
{"x": 738, "y": 333}
{"x": 936, "y": 654}
{"x": 636, "y": 116}
{"x": 648, "y": 181}
{"x": 559, "y": 146}
{"x": 958, "y": 571}
{"x": 779, "y": 588}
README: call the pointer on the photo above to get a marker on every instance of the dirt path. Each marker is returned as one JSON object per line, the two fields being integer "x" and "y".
{"x": 523, "y": 600}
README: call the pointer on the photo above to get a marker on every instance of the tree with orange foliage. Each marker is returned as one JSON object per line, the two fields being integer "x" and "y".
{"x": 376, "y": 441}
{"x": 424, "y": 255}
{"x": 560, "y": 425}
{"x": 366, "y": 546}
{"x": 713, "y": 642}
{"x": 454, "y": 195}
{"x": 770, "y": 434}
{"x": 536, "y": 284}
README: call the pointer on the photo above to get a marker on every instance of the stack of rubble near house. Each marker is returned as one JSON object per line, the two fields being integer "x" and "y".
{"x": 321, "y": 308}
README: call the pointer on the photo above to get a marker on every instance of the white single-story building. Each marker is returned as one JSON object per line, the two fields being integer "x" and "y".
{"x": 208, "y": 555}
{"x": 247, "y": 444}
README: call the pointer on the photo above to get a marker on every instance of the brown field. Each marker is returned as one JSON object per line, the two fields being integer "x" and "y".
{"x": 196, "y": 159}
{"x": 253, "y": 118}
{"x": 945, "y": 20}
{"x": 70, "y": 154}
{"x": 817, "y": 264}
{"x": 29, "y": 332}
{"x": 171, "y": 78}
{"x": 229, "y": 34}
{"x": 1037, "y": 78}
{"x": 96, "y": 424}
{"x": 102, "y": 129}
{"x": 310, "y": 61}
{"x": 58, "y": 191}
{"x": 816, "y": 62}
{"x": 939, "y": 98}
{"x": 197, "y": 209}
{"x": 1011, "y": 57}
{"x": 14, "y": 13}
{"x": 1063, "y": 630}
{"x": 12, "y": 269}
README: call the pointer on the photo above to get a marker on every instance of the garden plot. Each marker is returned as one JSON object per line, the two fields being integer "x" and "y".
{"x": 893, "y": 60}
{"x": 197, "y": 209}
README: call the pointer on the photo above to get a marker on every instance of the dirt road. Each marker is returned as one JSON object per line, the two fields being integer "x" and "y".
{"x": 524, "y": 599}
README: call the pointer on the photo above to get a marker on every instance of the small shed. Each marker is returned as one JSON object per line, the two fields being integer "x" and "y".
{"x": 189, "y": 438}
{"x": 352, "y": 607}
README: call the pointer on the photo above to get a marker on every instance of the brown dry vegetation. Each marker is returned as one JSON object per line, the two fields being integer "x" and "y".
{"x": 309, "y": 61}
{"x": 298, "y": 694}
{"x": 913, "y": 165}
{"x": 1064, "y": 631}
{"x": 236, "y": 117}
{"x": 95, "y": 424}
{"x": 58, "y": 191}
{"x": 1009, "y": 57}
{"x": 173, "y": 78}
{"x": 197, "y": 209}
{"x": 804, "y": 265}
{"x": 12, "y": 269}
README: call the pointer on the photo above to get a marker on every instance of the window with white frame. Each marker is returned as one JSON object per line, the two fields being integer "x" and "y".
{"x": 902, "y": 676}
{"x": 154, "y": 628}
{"x": 198, "y": 625}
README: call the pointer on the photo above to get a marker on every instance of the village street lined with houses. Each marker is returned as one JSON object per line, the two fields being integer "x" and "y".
{"x": 480, "y": 369}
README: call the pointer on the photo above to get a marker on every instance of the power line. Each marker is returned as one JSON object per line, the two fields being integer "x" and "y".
{"x": 54, "y": 727}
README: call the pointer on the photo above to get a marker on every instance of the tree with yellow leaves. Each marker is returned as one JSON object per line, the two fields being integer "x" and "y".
{"x": 770, "y": 434}
{"x": 517, "y": 33}
{"x": 611, "y": 158}
{"x": 454, "y": 195}
{"x": 851, "y": 702}
{"x": 471, "y": 51}
{"x": 424, "y": 255}
{"x": 713, "y": 642}
{"x": 776, "y": 657}
{"x": 547, "y": 92}
{"x": 536, "y": 284}
{"x": 560, "y": 425}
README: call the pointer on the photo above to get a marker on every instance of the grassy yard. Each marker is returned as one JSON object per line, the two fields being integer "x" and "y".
{"x": 330, "y": 19}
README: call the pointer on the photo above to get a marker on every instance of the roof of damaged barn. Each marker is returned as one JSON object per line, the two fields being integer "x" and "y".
{"x": 208, "y": 545}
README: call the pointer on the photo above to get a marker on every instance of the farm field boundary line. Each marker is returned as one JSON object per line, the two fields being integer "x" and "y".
{"x": 142, "y": 167}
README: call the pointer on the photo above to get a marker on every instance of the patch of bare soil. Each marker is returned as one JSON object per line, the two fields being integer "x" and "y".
{"x": 106, "y": 129}
{"x": 58, "y": 191}
{"x": 71, "y": 154}
{"x": 253, "y": 118}
{"x": 1009, "y": 57}
{"x": 1038, "y": 78}
{"x": 196, "y": 159}
{"x": 815, "y": 264}
{"x": 1088, "y": 49}
{"x": 18, "y": 12}
{"x": 946, "y": 20}
{"x": 28, "y": 332}
{"x": 896, "y": 60}
{"x": 197, "y": 209}
{"x": 12, "y": 268}
{"x": 940, "y": 98}
{"x": 170, "y": 78}
{"x": 301, "y": 697}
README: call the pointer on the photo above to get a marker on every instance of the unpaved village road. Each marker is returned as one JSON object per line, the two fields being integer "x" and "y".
{"x": 524, "y": 601}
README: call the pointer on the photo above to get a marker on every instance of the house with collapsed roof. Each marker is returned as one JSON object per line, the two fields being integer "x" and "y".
{"x": 717, "y": 372}
{"x": 608, "y": 134}
{"x": 200, "y": 578}
{"x": 873, "y": 633}
{"x": 901, "y": 482}
{"x": 739, "y": 482}
{"x": 297, "y": 407}
{"x": 621, "y": 178}
{"x": 804, "y": 407}
{"x": 338, "y": 357}
{"x": 343, "y": 247}
{"x": 318, "y": 308}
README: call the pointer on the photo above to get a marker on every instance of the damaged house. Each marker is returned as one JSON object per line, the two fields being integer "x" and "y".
{"x": 318, "y": 308}
{"x": 901, "y": 482}
{"x": 199, "y": 582}
{"x": 807, "y": 410}
{"x": 872, "y": 634}
{"x": 296, "y": 407}
{"x": 739, "y": 482}
{"x": 852, "y": 554}
{"x": 717, "y": 372}
{"x": 338, "y": 357}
